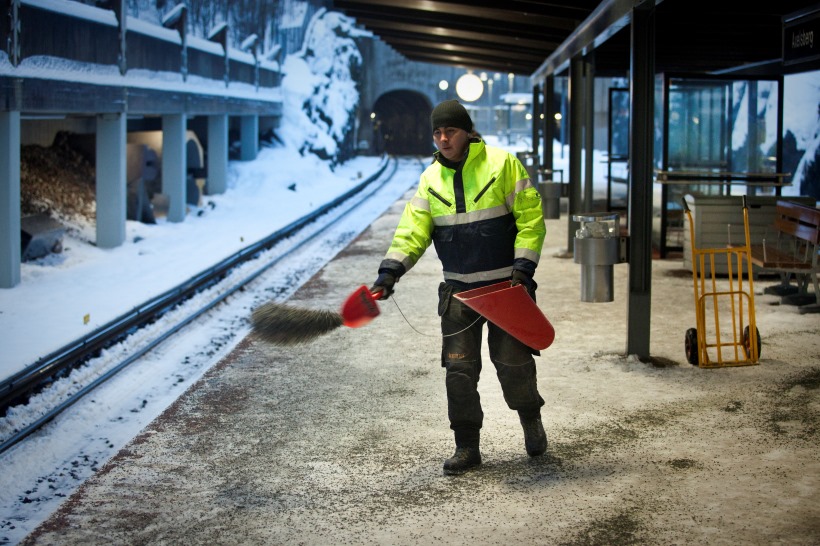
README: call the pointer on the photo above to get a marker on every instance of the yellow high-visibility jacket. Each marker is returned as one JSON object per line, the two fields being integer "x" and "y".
{"x": 484, "y": 217}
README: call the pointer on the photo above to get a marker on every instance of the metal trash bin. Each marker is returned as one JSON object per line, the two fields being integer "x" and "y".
{"x": 551, "y": 192}
{"x": 597, "y": 249}
{"x": 550, "y": 198}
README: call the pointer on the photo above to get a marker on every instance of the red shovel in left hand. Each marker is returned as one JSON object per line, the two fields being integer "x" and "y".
{"x": 513, "y": 310}
{"x": 282, "y": 324}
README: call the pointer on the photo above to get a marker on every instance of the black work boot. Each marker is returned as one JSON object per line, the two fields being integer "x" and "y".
{"x": 462, "y": 460}
{"x": 535, "y": 439}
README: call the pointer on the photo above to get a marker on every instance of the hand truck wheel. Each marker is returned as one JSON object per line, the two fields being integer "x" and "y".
{"x": 747, "y": 342}
{"x": 691, "y": 344}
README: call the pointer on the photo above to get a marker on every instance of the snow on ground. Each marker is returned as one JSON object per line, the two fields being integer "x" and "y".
{"x": 341, "y": 441}
{"x": 48, "y": 310}
{"x": 60, "y": 290}
{"x": 65, "y": 296}
{"x": 45, "y": 312}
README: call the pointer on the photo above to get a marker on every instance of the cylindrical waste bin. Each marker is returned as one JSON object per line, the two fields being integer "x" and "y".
{"x": 551, "y": 191}
{"x": 597, "y": 249}
{"x": 550, "y": 199}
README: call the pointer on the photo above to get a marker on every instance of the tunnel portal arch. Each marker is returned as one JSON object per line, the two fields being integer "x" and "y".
{"x": 402, "y": 123}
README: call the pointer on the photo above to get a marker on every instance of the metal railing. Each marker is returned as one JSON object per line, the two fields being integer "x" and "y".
{"x": 78, "y": 32}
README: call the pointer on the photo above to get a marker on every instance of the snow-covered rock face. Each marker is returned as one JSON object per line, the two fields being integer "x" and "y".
{"x": 320, "y": 91}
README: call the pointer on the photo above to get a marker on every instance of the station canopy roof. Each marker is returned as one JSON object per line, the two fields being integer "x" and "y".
{"x": 537, "y": 38}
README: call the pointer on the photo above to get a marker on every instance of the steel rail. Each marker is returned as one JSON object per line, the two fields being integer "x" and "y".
{"x": 75, "y": 354}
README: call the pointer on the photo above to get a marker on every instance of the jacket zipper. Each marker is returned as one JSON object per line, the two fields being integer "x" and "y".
{"x": 435, "y": 194}
{"x": 484, "y": 190}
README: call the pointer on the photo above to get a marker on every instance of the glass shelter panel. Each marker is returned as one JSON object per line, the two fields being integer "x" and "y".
{"x": 720, "y": 139}
{"x": 722, "y": 125}
{"x": 618, "y": 152}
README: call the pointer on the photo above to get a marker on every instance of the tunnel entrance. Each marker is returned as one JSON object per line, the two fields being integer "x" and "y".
{"x": 402, "y": 124}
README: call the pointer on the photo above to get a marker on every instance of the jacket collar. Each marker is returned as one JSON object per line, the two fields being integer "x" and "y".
{"x": 474, "y": 149}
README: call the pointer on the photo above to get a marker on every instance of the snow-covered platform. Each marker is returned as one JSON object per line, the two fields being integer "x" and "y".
{"x": 341, "y": 441}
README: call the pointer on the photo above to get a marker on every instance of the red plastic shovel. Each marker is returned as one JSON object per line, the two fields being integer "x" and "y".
{"x": 360, "y": 307}
{"x": 513, "y": 310}
{"x": 282, "y": 324}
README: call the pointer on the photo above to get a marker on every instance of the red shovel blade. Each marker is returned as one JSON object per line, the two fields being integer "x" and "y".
{"x": 359, "y": 308}
{"x": 513, "y": 310}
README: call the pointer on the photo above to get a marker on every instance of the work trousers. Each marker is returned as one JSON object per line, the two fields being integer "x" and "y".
{"x": 462, "y": 330}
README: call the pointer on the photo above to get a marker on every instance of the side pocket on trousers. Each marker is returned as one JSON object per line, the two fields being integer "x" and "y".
{"x": 445, "y": 292}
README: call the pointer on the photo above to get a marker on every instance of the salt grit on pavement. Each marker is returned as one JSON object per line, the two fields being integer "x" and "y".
{"x": 342, "y": 440}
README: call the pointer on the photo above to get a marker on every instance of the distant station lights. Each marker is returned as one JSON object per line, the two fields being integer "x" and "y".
{"x": 469, "y": 87}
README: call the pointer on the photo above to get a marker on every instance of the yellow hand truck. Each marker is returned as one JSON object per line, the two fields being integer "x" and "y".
{"x": 734, "y": 341}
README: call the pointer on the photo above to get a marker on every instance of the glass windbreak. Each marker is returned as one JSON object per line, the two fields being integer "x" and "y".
{"x": 698, "y": 125}
{"x": 618, "y": 152}
{"x": 725, "y": 126}
{"x": 720, "y": 139}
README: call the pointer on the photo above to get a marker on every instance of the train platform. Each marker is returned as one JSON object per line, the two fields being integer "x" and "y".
{"x": 341, "y": 441}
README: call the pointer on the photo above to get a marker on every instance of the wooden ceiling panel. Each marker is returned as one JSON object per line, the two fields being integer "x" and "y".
{"x": 513, "y": 36}
{"x": 520, "y": 35}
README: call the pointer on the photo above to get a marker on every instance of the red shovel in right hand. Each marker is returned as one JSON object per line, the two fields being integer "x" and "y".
{"x": 360, "y": 307}
{"x": 282, "y": 324}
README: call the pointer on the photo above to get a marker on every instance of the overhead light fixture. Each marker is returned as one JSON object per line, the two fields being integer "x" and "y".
{"x": 469, "y": 87}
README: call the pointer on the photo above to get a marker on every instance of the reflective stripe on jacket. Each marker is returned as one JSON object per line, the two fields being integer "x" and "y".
{"x": 481, "y": 217}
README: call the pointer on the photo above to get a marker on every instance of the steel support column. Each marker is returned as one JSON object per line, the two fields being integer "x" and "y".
{"x": 576, "y": 144}
{"x": 111, "y": 180}
{"x": 536, "y": 117}
{"x": 9, "y": 199}
{"x": 549, "y": 125}
{"x": 589, "y": 130}
{"x": 641, "y": 119}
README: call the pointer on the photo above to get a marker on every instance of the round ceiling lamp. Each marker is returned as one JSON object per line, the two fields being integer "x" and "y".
{"x": 469, "y": 87}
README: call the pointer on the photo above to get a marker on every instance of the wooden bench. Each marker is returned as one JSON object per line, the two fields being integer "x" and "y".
{"x": 793, "y": 250}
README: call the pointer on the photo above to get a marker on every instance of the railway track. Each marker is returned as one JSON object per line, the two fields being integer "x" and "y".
{"x": 225, "y": 278}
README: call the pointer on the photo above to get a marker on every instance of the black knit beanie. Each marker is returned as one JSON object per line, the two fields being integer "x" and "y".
{"x": 451, "y": 113}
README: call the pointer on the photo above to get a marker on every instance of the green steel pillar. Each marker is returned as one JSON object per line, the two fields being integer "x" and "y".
{"x": 111, "y": 180}
{"x": 217, "y": 154}
{"x": 174, "y": 162}
{"x": 9, "y": 199}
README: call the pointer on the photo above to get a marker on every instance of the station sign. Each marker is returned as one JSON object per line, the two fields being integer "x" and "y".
{"x": 801, "y": 37}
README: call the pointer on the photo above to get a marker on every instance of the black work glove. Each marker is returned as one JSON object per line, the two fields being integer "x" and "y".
{"x": 383, "y": 285}
{"x": 522, "y": 277}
